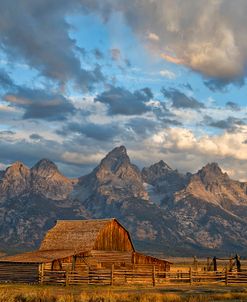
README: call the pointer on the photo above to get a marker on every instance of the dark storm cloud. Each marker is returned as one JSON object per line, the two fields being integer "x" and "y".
{"x": 7, "y": 132}
{"x": 7, "y": 135}
{"x": 35, "y": 136}
{"x": 181, "y": 100}
{"x": 39, "y": 104}
{"x": 233, "y": 106}
{"x": 125, "y": 102}
{"x": 228, "y": 124}
{"x": 220, "y": 84}
{"x": 142, "y": 127}
{"x": 216, "y": 85}
{"x": 37, "y": 31}
{"x": 5, "y": 80}
{"x": 165, "y": 116}
{"x": 28, "y": 152}
{"x": 170, "y": 122}
{"x": 99, "y": 132}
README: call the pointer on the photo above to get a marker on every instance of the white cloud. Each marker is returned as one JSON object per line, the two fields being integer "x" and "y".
{"x": 222, "y": 145}
{"x": 78, "y": 158}
{"x": 183, "y": 149}
{"x": 153, "y": 37}
{"x": 168, "y": 74}
{"x": 206, "y": 35}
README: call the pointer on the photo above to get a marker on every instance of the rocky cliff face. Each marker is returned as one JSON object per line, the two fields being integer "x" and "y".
{"x": 162, "y": 182}
{"x": 116, "y": 178}
{"x": 15, "y": 181}
{"x": 212, "y": 185}
{"x": 49, "y": 182}
{"x": 210, "y": 211}
{"x": 164, "y": 210}
{"x": 44, "y": 179}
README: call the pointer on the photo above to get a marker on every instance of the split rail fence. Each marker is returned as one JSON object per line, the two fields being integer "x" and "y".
{"x": 140, "y": 275}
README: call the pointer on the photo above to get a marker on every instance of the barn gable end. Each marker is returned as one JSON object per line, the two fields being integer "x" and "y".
{"x": 113, "y": 237}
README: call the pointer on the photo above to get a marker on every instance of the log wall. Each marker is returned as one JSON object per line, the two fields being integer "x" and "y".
{"x": 139, "y": 258}
{"x": 19, "y": 272}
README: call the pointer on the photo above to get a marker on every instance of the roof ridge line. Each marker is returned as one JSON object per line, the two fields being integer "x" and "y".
{"x": 77, "y": 220}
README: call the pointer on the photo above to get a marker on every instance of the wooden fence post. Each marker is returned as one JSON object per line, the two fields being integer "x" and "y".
{"x": 208, "y": 264}
{"x": 153, "y": 275}
{"x": 67, "y": 277}
{"x": 41, "y": 273}
{"x": 226, "y": 277}
{"x": 112, "y": 274}
{"x": 190, "y": 273}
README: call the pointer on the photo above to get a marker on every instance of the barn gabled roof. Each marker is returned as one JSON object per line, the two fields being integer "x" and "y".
{"x": 77, "y": 235}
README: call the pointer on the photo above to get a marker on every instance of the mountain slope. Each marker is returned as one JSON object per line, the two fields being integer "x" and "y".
{"x": 213, "y": 186}
{"x": 49, "y": 182}
{"x": 15, "y": 181}
{"x": 210, "y": 211}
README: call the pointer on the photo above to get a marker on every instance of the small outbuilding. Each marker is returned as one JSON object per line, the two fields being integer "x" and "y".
{"x": 78, "y": 245}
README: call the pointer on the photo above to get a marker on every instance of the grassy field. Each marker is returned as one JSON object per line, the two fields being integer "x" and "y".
{"x": 34, "y": 293}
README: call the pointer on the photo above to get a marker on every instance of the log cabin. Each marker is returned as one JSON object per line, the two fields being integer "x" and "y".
{"x": 77, "y": 245}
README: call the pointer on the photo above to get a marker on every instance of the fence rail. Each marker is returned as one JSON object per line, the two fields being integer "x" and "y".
{"x": 146, "y": 276}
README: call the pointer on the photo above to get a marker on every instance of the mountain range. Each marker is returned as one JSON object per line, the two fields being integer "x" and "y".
{"x": 166, "y": 212}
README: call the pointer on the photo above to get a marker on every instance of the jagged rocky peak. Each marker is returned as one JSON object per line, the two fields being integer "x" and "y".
{"x": 114, "y": 159}
{"x": 17, "y": 169}
{"x": 211, "y": 173}
{"x": 117, "y": 164}
{"x": 15, "y": 181}
{"x": 160, "y": 167}
{"x": 115, "y": 178}
{"x": 48, "y": 181}
{"x": 156, "y": 171}
{"x": 44, "y": 168}
{"x": 212, "y": 168}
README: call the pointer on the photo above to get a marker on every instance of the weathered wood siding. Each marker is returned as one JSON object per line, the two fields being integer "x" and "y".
{"x": 139, "y": 258}
{"x": 113, "y": 237}
{"x": 107, "y": 258}
{"x": 19, "y": 272}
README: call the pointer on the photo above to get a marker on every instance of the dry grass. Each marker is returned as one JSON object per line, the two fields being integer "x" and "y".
{"x": 183, "y": 264}
{"x": 24, "y": 293}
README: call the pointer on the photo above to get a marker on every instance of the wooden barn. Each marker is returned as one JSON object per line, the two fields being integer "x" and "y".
{"x": 78, "y": 246}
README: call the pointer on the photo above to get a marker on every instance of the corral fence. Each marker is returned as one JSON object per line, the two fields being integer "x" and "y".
{"x": 139, "y": 275}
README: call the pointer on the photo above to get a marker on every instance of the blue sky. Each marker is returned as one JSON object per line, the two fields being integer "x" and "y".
{"x": 164, "y": 78}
